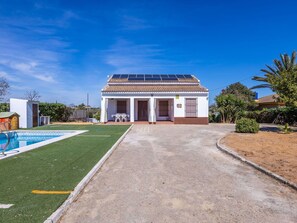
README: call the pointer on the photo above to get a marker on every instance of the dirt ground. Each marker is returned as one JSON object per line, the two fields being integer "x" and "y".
{"x": 275, "y": 151}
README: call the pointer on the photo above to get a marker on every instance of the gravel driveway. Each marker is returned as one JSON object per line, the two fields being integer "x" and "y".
{"x": 175, "y": 173}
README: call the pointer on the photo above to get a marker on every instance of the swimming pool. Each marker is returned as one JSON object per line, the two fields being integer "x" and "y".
{"x": 25, "y": 140}
{"x": 21, "y": 139}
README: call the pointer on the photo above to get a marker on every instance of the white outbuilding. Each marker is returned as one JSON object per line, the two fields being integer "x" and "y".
{"x": 28, "y": 111}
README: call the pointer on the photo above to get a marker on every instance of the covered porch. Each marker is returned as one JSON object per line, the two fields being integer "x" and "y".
{"x": 138, "y": 110}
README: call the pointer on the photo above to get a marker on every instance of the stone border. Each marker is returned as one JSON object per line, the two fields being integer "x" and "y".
{"x": 56, "y": 216}
{"x": 256, "y": 166}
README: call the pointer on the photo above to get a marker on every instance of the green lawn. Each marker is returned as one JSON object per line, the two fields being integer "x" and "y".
{"x": 58, "y": 166}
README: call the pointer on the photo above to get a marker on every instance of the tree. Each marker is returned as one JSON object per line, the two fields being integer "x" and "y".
{"x": 81, "y": 106}
{"x": 240, "y": 91}
{"x": 32, "y": 95}
{"x": 281, "y": 78}
{"x": 4, "y": 87}
{"x": 4, "y": 107}
{"x": 229, "y": 107}
{"x": 57, "y": 111}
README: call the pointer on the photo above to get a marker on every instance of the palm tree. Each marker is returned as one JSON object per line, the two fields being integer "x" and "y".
{"x": 281, "y": 67}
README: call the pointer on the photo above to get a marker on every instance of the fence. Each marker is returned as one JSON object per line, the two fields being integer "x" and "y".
{"x": 78, "y": 115}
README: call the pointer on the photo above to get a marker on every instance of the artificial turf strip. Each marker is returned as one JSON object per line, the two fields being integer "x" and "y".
{"x": 57, "y": 166}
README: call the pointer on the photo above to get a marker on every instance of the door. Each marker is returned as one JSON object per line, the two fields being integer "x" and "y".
{"x": 142, "y": 111}
{"x": 35, "y": 115}
{"x": 122, "y": 107}
{"x": 163, "y": 109}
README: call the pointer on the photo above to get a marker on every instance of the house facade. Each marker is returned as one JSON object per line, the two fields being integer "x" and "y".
{"x": 154, "y": 98}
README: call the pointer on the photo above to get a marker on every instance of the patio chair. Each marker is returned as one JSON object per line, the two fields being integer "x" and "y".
{"x": 117, "y": 118}
{"x": 124, "y": 117}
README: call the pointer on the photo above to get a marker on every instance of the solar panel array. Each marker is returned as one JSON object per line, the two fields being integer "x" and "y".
{"x": 152, "y": 77}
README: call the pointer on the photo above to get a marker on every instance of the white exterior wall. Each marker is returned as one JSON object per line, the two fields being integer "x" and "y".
{"x": 203, "y": 106}
{"x": 179, "y": 112}
{"x": 20, "y": 106}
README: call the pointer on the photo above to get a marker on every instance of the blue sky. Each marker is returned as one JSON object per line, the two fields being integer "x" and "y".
{"x": 66, "y": 49}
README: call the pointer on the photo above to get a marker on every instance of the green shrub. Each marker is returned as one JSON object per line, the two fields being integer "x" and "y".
{"x": 246, "y": 125}
{"x": 286, "y": 115}
{"x": 57, "y": 112}
{"x": 274, "y": 115}
{"x": 97, "y": 115}
{"x": 285, "y": 129}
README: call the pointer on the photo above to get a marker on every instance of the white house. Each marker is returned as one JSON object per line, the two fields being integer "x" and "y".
{"x": 155, "y": 97}
{"x": 28, "y": 111}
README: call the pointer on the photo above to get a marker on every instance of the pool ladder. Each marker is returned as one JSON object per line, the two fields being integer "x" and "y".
{"x": 7, "y": 143}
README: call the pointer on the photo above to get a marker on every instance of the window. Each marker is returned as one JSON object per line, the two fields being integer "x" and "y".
{"x": 163, "y": 108}
{"x": 121, "y": 106}
{"x": 191, "y": 107}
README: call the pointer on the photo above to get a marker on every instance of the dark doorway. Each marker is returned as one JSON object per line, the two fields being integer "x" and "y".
{"x": 121, "y": 106}
{"x": 163, "y": 109}
{"x": 142, "y": 111}
{"x": 35, "y": 114}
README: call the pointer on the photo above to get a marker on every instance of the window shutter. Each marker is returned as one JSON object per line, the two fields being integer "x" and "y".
{"x": 191, "y": 107}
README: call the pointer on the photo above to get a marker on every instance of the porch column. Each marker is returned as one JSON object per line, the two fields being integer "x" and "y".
{"x": 132, "y": 109}
{"x": 102, "y": 115}
{"x": 152, "y": 114}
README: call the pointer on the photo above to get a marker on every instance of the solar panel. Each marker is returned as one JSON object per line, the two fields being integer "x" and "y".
{"x": 116, "y": 76}
{"x": 136, "y": 78}
{"x": 152, "y": 78}
{"x": 169, "y": 78}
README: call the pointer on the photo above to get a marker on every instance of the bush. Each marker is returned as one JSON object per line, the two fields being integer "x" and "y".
{"x": 246, "y": 125}
{"x": 286, "y": 115}
{"x": 274, "y": 115}
{"x": 97, "y": 115}
{"x": 262, "y": 116}
{"x": 57, "y": 112}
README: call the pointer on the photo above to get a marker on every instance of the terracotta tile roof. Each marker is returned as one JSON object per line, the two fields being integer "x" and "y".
{"x": 268, "y": 99}
{"x": 154, "y": 88}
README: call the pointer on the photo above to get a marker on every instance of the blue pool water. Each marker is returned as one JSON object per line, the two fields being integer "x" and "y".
{"x": 21, "y": 139}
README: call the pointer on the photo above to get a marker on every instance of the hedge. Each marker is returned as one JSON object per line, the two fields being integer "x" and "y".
{"x": 247, "y": 125}
{"x": 274, "y": 115}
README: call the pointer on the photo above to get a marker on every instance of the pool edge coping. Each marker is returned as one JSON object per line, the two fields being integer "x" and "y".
{"x": 24, "y": 149}
{"x": 57, "y": 215}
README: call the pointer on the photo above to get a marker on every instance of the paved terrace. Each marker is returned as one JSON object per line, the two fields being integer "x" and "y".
{"x": 175, "y": 173}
